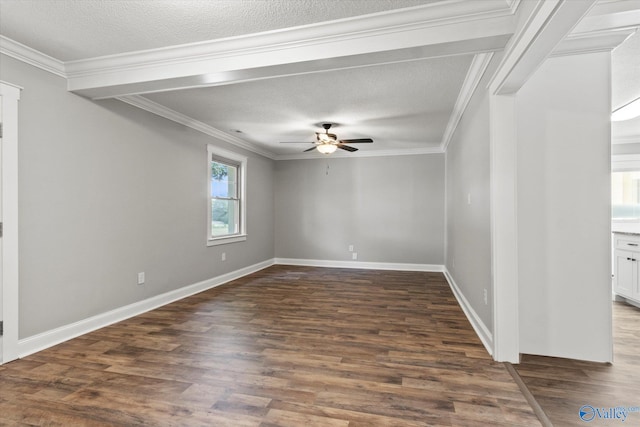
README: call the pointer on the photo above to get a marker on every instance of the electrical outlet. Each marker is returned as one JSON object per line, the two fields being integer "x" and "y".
{"x": 141, "y": 278}
{"x": 350, "y": 248}
{"x": 354, "y": 255}
{"x": 224, "y": 256}
{"x": 486, "y": 299}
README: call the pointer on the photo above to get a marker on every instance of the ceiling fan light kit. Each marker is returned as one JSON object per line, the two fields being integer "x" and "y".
{"x": 327, "y": 148}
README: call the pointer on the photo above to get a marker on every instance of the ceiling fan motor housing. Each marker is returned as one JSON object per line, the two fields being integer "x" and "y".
{"x": 326, "y": 137}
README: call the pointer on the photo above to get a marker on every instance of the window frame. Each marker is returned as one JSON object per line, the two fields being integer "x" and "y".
{"x": 625, "y": 163}
{"x": 232, "y": 159}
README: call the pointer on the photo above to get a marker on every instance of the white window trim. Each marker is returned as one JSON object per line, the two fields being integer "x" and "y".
{"x": 212, "y": 150}
{"x": 625, "y": 163}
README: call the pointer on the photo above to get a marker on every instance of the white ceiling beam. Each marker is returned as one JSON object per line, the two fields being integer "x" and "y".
{"x": 31, "y": 56}
{"x": 439, "y": 29}
{"x": 549, "y": 23}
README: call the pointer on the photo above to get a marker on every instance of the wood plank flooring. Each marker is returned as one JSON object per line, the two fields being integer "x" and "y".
{"x": 287, "y": 346}
{"x": 563, "y": 386}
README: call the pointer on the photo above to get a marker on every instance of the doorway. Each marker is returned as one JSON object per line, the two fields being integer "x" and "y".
{"x": 9, "y": 96}
{"x": 625, "y": 189}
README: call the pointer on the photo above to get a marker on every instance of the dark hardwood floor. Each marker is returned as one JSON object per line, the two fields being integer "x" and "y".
{"x": 287, "y": 346}
{"x": 563, "y": 386}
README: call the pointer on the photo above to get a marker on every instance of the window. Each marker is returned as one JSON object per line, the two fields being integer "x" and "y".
{"x": 625, "y": 196}
{"x": 226, "y": 206}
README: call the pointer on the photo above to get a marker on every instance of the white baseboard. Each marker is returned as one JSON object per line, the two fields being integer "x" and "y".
{"x": 478, "y": 325}
{"x": 56, "y": 336}
{"x": 629, "y": 301}
{"x": 359, "y": 264}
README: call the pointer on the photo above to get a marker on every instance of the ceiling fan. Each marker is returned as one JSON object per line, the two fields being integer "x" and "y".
{"x": 327, "y": 143}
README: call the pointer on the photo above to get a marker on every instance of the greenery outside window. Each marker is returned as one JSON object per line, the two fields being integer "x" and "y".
{"x": 226, "y": 206}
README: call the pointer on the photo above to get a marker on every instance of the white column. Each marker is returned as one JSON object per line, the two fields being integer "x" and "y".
{"x": 10, "y": 95}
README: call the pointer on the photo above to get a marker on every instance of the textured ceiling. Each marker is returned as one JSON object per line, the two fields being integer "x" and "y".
{"x": 77, "y": 29}
{"x": 625, "y": 72}
{"x": 404, "y": 105}
{"x": 401, "y": 105}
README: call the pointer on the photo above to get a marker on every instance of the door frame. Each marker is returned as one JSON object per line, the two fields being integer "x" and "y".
{"x": 9, "y": 95}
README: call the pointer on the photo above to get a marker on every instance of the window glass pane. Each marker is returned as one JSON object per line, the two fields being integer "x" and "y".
{"x": 225, "y": 217}
{"x": 226, "y": 188}
{"x": 625, "y": 195}
{"x": 224, "y": 182}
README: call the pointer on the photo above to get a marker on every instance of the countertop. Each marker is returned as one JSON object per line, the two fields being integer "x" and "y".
{"x": 630, "y": 228}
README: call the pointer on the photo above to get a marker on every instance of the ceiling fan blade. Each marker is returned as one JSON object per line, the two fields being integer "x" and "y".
{"x": 346, "y": 147}
{"x": 355, "y": 141}
{"x": 310, "y": 149}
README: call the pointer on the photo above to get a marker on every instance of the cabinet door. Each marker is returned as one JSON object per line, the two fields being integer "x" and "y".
{"x": 625, "y": 272}
{"x": 635, "y": 284}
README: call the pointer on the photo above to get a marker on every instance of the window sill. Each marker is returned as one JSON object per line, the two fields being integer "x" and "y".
{"x": 227, "y": 239}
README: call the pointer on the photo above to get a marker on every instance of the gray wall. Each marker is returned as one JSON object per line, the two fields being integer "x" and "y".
{"x": 468, "y": 253}
{"x": 564, "y": 209}
{"x": 390, "y": 208}
{"x": 107, "y": 190}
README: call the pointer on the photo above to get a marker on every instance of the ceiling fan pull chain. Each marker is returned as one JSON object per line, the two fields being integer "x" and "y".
{"x": 327, "y": 172}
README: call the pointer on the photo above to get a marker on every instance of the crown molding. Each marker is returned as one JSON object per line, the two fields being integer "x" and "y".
{"x": 162, "y": 111}
{"x": 610, "y": 15}
{"x": 167, "y": 113}
{"x": 471, "y": 81}
{"x": 314, "y": 155}
{"x": 591, "y": 42}
{"x": 31, "y": 56}
{"x": 513, "y": 5}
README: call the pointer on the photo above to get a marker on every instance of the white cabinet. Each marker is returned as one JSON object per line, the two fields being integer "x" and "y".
{"x": 626, "y": 266}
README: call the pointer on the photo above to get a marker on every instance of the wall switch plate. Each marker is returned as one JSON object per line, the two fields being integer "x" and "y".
{"x": 224, "y": 256}
{"x": 141, "y": 278}
{"x": 486, "y": 299}
{"x": 350, "y": 248}
{"x": 354, "y": 255}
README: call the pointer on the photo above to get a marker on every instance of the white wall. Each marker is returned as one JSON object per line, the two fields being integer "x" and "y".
{"x": 563, "y": 163}
{"x": 468, "y": 237}
{"x": 107, "y": 190}
{"x": 390, "y": 208}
